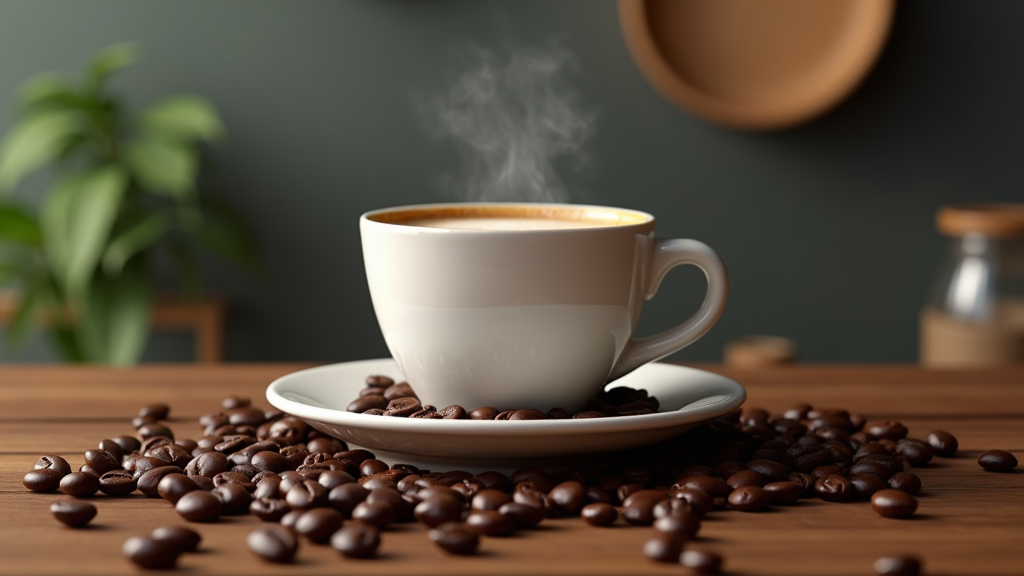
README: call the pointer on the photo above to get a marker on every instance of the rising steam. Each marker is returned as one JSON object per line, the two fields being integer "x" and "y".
{"x": 511, "y": 121}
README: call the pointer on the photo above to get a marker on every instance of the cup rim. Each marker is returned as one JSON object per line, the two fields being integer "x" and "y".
{"x": 607, "y": 217}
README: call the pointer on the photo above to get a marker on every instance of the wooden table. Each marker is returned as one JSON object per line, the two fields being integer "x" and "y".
{"x": 969, "y": 520}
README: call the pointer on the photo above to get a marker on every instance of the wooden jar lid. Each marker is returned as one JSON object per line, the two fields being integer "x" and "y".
{"x": 993, "y": 220}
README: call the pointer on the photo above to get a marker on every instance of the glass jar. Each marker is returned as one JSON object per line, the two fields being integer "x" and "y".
{"x": 974, "y": 315}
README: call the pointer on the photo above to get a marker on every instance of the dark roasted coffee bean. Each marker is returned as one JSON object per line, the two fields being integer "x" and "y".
{"x": 187, "y": 443}
{"x": 149, "y": 482}
{"x": 203, "y": 483}
{"x": 746, "y": 478}
{"x": 364, "y": 403}
{"x": 906, "y": 481}
{"x": 307, "y": 495}
{"x": 245, "y": 416}
{"x": 558, "y": 414}
{"x": 334, "y": 478}
{"x": 998, "y": 461}
{"x": 288, "y": 430}
{"x": 710, "y": 484}
{"x": 273, "y": 543}
{"x": 153, "y": 429}
{"x": 101, "y": 461}
{"x": 588, "y": 414}
{"x": 171, "y": 454}
{"x": 507, "y": 414}
{"x": 318, "y": 524}
{"x": 897, "y": 566}
{"x": 288, "y": 520}
{"x": 427, "y": 412}
{"x": 378, "y": 381}
{"x": 79, "y": 484}
{"x": 73, "y": 513}
{"x": 638, "y": 507}
{"x": 128, "y": 444}
{"x": 400, "y": 390}
{"x": 483, "y": 413}
{"x": 153, "y": 442}
{"x": 377, "y": 514}
{"x": 147, "y": 552}
{"x": 864, "y": 485}
{"x": 198, "y": 506}
{"x": 567, "y": 497}
{"x": 834, "y": 488}
{"x": 232, "y": 477}
{"x": 672, "y": 507}
{"x": 890, "y": 430}
{"x": 868, "y": 465}
{"x": 686, "y": 525}
{"x": 701, "y": 562}
{"x": 372, "y": 466}
{"x": 749, "y": 498}
{"x": 490, "y": 523}
{"x": 664, "y": 547}
{"x": 523, "y": 515}
{"x": 495, "y": 481}
{"x": 528, "y": 414}
{"x": 42, "y": 480}
{"x": 943, "y": 443}
{"x": 771, "y": 471}
{"x": 356, "y": 540}
{"x": 402, "y": 407}
{"x": 374, "y": 412}
{"x": 175, "y": 485}
{"x": 344, "y": 498}
{"x": 917, "y": 452}
{"x": 183, "y": 539}
{"x": 208, "y": 464}
{"x": 269, "y": 509}
{"x": 893, "y": 503}
{"x": 140, "y": 421}
{"x": 234, "y": 498}
{"x": 455, "y": 538}
{"x": 700, "y": 501}
{"x": 812, "y": 460}
{"x": 117, "y": 483}
{"x": 56, "y": 463}
{"x": 157, "y": 411}
{"x": 490, "y": 499}
{"x": 437, "y": 510}
{"x": 785, "y": 492}
{"x": 805, "y": 480}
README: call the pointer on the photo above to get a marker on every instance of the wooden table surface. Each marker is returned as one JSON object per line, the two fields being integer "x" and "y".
{"x": 968, "y": 522}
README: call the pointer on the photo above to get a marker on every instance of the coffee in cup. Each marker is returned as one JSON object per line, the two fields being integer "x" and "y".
{"x": 518, "y": 305}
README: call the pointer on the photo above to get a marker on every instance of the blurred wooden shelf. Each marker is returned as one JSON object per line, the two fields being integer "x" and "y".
{"x": 203, "y": 317}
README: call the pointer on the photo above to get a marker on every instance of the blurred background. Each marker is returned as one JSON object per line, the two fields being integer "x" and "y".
{"x": 827, "y": 228}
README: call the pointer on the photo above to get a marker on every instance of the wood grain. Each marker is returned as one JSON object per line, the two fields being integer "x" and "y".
{"x": 968, "y": 520}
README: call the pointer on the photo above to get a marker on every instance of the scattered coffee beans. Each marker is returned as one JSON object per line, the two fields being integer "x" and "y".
{"x": 897, "y": 566}
{"x": 455, "y": 538}
{"x": 147, "y": 552}
{"x": 664, "y": 547}
{"x": 998, "y": 461}
{"x": 319, "y": 524}
{"x": 73, "y": 513}
{"x": 943, "y": 443}
{"x": 893, "y": 503}
{"x": 356, "y": 540}
{"x": 599, "y": 514}
{"x": 701, "y": 562}
{"x": 274, "y": 543}
{"x": 79, "y": 484}
{"x": 183, "y": 539}
{"x": 199, "y": 506}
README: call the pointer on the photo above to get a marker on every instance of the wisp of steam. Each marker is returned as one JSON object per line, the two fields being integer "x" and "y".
{"x": 512, "y": 120}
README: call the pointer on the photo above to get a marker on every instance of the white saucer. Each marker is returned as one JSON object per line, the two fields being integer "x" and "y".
{"x": 320, "y": 395}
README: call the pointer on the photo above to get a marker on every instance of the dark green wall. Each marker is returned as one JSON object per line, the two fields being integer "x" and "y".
{"x": 826, "y": 229}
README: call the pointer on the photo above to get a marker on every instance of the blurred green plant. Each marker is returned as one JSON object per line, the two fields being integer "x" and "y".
{"x": 125, "y": 186}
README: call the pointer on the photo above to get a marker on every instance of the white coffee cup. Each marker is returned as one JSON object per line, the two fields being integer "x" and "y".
{"x": 524, "y": 305}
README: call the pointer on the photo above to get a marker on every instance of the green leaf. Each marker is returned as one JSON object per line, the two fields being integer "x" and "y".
{"x": 114, "y": 321}
{"x": 10, "y": 272}
{"x": 66, "y": 341}
{"x": 106, "y": 62}
{"x": 163, "y": 167}
{"x": 182, "y": 117}
{"x": 132, "y": 239}
{"x": 77, "y": 219}
{"x": 49, "y": 91}
{"x": 188, "y": 269}
{"x": 21, "y": 322}
{"x": 32, "y": 142}
{"x": 19, "y": 226}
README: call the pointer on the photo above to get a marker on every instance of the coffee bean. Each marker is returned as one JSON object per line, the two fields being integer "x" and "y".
{"x": 73, "y": 513}
{"x": 53, "y": 462}
{"x": 245, "y": 416}
{"x": 664, "y": 547}
{"x": 307, "y": 495}
{"x": 175, "y": 485}
{"x": 897, "y": 566}
{"x": 490, "y": 523}
{"x": 599, "y": 514}
{"x": 701, "y": 562}
{"x": 158, "y": 411}
{"x": 79, "y": 484}
{"x": 148, "y": 552}
{"x": 401, "y": 407}
{"x": 154, "y": 429}
{"x": 277, "y": 544}
{"x": 269, "y": 509}
{"x": 233, "y": 477}
{"x": 638, "y": 507}
{"x": 376, "y": 514}
{"x": 42, "y": 480}
{"x": 785, "y": 492}
{"x": 567, "y": 497}
{"x": 318, "y": 524}
{"x": 400, "y": 390}
{"x": 865, "y": 485}
{"x": 356, "y": 540}
{"x": 588, "y": 414}
{"x": 455, "y": 538}
{"x": 234, "y": 498}
{"x": 372, "y": 466}
{"x": 906, "y": 481}
{"x": 483, "y": 413}
{"x": 208, "y": 464}
{"x": 528, "y": 415}
{"x": 289, "y": 519}
{"x": 183, "y": 539}
{"x": 893, "y": 503}
{"x": 749, "y": 499}
{"x": 523, "y": 515}
{"x": 890, "y": 430}
{"x": 686, "y": 525}
{"x": 369, "y": 402}
{"x": 998, "y": 461}
{"x": 771, "y": 471}
{"x": 344, "y": 498}
{"x": 334, "y": 478}
{"x": 700, "y": 501}
{"x": 438, "y": 509}
{"x": 745, "y": 478}
{"x": 917, "y": 452}
{"x": 198, "y": 506}
{"x": 834, "y": 488}
{"x": 117, "y": 483}
{"x": 378, "y": 381}
{"x": 943, "y": 443}
{"x": 709, "y": 484}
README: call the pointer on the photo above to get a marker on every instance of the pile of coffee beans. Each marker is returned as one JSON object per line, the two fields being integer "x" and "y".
{"x": 309, "y": 487}
{"x": 383, "y": 397}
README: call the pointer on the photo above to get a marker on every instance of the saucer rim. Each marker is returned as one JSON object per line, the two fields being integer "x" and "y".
{"x": 511, "y": 428}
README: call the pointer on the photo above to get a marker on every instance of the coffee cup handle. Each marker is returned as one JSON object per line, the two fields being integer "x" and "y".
{"x": 667, "y": 255}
